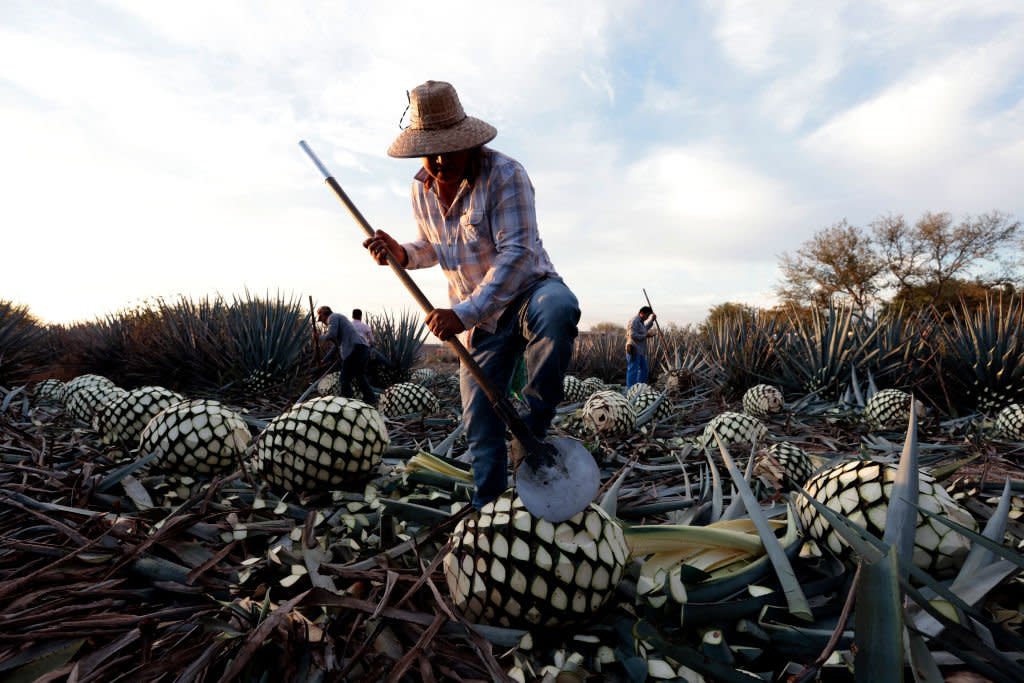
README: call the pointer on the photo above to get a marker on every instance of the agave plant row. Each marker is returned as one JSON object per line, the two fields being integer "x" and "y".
{"x": 958, "y": 362}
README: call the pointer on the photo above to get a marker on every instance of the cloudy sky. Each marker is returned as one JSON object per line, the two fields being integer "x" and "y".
{"x": 149, "y": 149}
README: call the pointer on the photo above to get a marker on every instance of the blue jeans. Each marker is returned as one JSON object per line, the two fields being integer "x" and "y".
{"x": 636, "y": 369}
{"x": 541, "y": 325}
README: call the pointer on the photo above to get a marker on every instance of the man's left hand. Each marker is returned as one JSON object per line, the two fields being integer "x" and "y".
{"x": 444, "y": 323}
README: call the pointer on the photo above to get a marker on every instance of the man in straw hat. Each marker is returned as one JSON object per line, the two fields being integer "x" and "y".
{"x": 475, "y": 216}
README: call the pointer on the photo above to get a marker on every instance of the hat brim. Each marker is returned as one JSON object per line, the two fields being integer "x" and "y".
{"x": 468, "y": 133}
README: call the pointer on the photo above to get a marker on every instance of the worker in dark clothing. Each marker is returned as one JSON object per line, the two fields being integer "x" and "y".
{"x": 348, "y": 352}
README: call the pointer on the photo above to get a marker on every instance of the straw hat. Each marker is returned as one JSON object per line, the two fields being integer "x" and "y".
{"x": 438, "y": 124}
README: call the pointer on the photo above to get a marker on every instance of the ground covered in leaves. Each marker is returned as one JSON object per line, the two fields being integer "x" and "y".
{"x": 112, "y": 572}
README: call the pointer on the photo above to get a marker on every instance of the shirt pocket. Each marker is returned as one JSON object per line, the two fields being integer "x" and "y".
{"x": 475, "y": 229}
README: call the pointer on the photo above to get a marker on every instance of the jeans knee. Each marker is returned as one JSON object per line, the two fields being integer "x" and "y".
{"x": 553, "y": 311}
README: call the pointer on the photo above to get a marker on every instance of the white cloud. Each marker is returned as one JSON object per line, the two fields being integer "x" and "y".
{"x": 704, "y": 201}
{"x": 920, "y": 136}
{"x": 153, "y": 146}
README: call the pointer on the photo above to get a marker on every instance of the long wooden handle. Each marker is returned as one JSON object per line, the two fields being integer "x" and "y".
{"x": 661, "y": 337}
{"x": 501, "y": 404}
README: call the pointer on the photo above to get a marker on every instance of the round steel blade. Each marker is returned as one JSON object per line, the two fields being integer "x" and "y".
{"x": 558, "y": 492}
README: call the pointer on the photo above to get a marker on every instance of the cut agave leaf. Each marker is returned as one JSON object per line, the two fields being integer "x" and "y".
{"x": 878, "y": 621}
{"x": 795, "y": 597}
{"x": 995, "y": 530}
{"x": 901, "y": 517}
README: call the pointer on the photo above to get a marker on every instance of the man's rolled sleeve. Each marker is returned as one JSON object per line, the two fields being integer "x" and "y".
{"x": 421, "y": 254}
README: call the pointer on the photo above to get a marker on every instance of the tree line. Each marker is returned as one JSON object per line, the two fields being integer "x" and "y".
{"x": 934, "y": 261}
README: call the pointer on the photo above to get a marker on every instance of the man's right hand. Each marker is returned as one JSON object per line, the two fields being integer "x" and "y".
{"x": 630, "y": 350}
{"x": 382, "y": 244}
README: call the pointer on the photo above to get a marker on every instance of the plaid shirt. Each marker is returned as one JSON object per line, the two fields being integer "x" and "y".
{"x": 486, "y": 242}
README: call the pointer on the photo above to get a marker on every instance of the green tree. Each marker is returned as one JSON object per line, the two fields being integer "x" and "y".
{"x": 947, "y": 300}
{"x": 729, "y": 310}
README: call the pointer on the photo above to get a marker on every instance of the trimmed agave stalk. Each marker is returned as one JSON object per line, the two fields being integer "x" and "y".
{"x": 407, "y": 398}
{"x": 328, "y": 443}
{"x": 762, "y": 400}
{"x": 123, "y": 418}
{"x": 86, "y": 393}
{"x": 608, "y": 413}
{"x": 890, "y": 408}
{"x": 860, "y": 490}
{"x": 507, "y": 567}
{"x": 678, "y": 556}
{"x": 196, "y": 438}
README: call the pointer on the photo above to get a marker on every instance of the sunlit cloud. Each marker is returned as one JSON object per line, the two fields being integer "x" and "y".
{"x": 150, "y": 149}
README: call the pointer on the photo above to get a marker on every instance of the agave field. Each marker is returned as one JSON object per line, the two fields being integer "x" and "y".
{"x": 821, "y": 495}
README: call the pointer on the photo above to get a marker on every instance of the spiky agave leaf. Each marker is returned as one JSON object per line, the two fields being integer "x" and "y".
{"x": 815, "y": 355}
{"x": 600, "y": 355}
{"x": 329, "y": 443}
{"x": 22, "y": 347}
{"x": 984, "y": 355}
{"x": 188, "y": 345}
{"x": 899, "y": 346}
{"x": 398, "y": 339}
{"x": 901, "y": 517}
{"x": 685, "y": 371}
{"x": 509, "y": 568}
{"x": 795, "y": 598}
{"x": 742, "y": 350}
{"x": 879, "y": 621}
{"x": 198, "y": 437}
{"x": 269, "y": 339}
